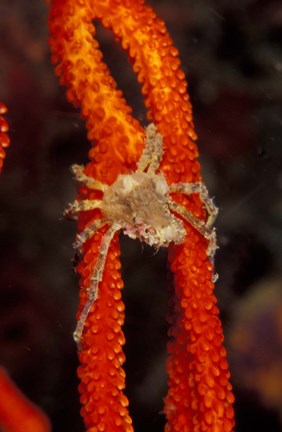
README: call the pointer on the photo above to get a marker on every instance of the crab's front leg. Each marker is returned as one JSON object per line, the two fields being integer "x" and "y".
{"x": 96, "y": 278}
{"x": 85, "y": 205}
{"x": 206, "y": 231}
{"x": 90, "y": 182}
{"x": 73, "y": 209}
{"x": 201, "y": 190}
{"x": 153, "y": 151}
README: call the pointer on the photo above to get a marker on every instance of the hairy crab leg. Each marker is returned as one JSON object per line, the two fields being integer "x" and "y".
{"x": 96, "y": 277}
{"x": 90, "y": 182}
{"x": 73, "y": 209}
{"x": 153, "y": 146}
{"x": 198, "y": 224}
{"x": 88, "y": 232}
{"x": 201, "y": 190}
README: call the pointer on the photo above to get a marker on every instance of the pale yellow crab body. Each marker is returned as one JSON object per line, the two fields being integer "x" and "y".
{"x": 139, "y": 203}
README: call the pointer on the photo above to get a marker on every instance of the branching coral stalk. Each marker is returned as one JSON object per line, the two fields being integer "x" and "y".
{"x": 4, "y": 139}
{"x": 199, "y": 396}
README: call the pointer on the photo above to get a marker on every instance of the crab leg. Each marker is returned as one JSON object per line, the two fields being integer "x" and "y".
{"x": 199, "y": 225}
{"x": 88, "y": 232}
{"x": 198, "y": 188}
{"x": 95, "y": 280}
{"x": 90, "y": 182}
{"x": 153, "y": 151}
{"x": 76, "y": 207}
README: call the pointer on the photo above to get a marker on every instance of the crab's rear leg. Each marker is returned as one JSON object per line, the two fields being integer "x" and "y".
{"x": 201, "y": 190}
{"x": 88, "y": 232}
{"x": 153, "y": 151}
{"x": 96, "y": 278}
{"x": 204, "y": 229}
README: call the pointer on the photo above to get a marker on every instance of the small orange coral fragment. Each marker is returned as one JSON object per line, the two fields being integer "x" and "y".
{"x": 4, "y": 139}
{"x": 199, "y": 397}
{"x": 17, "y": 413}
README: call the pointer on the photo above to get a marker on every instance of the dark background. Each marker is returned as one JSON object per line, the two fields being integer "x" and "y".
{"x": 231, "y": 53}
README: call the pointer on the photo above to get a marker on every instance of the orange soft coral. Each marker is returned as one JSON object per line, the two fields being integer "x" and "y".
{"x": 4, "y": 139}
{"x": 17, "y": 413}
{"x": 199, "y": 396}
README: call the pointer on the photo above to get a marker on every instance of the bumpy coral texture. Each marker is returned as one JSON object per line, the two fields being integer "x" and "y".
{"x": 4, "y": 139}
{"x": 199, "y": 396}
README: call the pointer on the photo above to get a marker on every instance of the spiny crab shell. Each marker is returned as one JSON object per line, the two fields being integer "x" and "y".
{"x": 140, "y": 203}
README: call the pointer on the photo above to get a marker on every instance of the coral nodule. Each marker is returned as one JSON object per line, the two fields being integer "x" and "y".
{"x": 4, "y": 139}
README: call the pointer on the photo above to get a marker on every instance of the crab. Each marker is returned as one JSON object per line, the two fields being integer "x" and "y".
{"x": 140, "y": 205}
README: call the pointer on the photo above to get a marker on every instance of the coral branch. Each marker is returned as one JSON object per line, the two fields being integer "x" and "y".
{"x": 17, "y": 413}
{"x": 199, "y": 396}
{"x": 101, "y": 373}
{"x": 119, "y": 137}
{"x": 4, "y": 139}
